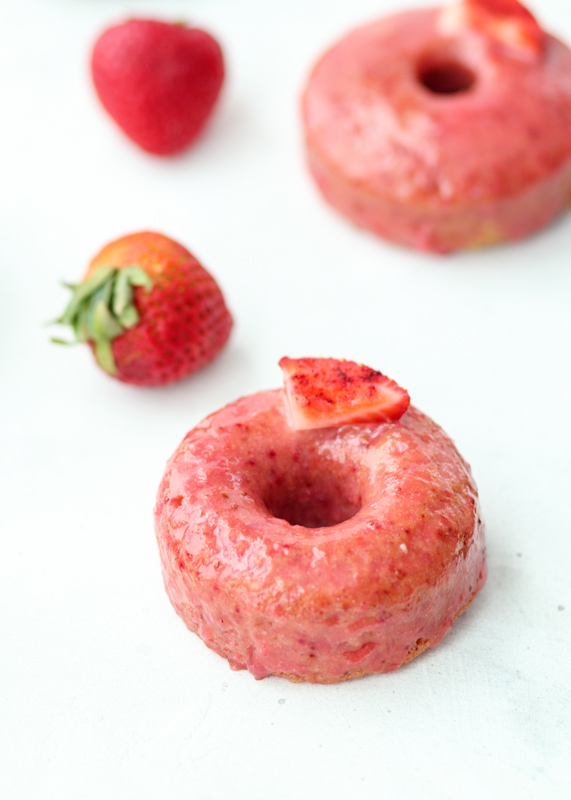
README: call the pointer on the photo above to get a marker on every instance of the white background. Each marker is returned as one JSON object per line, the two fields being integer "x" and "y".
{"x": 103, "y": 692}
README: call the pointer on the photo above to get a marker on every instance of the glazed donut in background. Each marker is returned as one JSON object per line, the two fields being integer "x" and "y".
{"x": 444, "y": 128}
{"x": 320, "y": 533}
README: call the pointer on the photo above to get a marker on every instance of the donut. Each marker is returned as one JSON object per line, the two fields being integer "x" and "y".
{"x": 324, "y": 549}
{"x": 444, "y": 128}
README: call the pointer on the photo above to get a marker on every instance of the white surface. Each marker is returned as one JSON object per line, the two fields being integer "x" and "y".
{"x": 104, "y": 694}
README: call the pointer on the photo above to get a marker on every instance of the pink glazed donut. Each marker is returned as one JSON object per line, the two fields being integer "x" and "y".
{"x": 444, "y": 129}
{"x": 318, "y": 555}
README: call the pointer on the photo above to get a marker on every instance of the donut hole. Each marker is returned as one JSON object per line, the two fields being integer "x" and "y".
{"x": 313, "y": 494}
{"x": 445, "y": 75}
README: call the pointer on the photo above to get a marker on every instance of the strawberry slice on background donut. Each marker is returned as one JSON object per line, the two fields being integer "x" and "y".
{"x": 328, "y": 392}
{"x": 506, "y": 21}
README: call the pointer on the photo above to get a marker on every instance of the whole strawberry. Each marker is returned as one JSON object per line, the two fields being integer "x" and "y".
{"x": 158, "y": 81}
{"x": 151, "y": 313}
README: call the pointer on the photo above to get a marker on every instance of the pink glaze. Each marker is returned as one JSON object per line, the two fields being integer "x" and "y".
{"x": 440, "y": 171}
{"x": 318, "y": 555}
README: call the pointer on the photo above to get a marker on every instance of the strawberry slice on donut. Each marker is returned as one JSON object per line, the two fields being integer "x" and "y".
{"x": 506, "y": 21}
{"x": 328, "y": 392}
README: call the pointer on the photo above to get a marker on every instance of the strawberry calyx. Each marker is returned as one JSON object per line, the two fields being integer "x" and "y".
{"x": 328, "y": 392}
{"x": 102, "y": 308}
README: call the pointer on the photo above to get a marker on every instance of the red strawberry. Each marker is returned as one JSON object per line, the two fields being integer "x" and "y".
{"x": 151, "y": 313}
{"x": 158, "y": 81}
{"x": 326, "y": 392}
{"x": 507, "y": 21}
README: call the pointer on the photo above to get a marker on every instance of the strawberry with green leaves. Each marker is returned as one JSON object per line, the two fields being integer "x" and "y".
{"x": 150, "y": 312}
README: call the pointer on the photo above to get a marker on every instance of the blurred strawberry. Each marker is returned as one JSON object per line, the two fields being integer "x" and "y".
{"x": 158, "y": 81}
{"x": 508, "y": 22}
{"x": 151, "y": 313}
